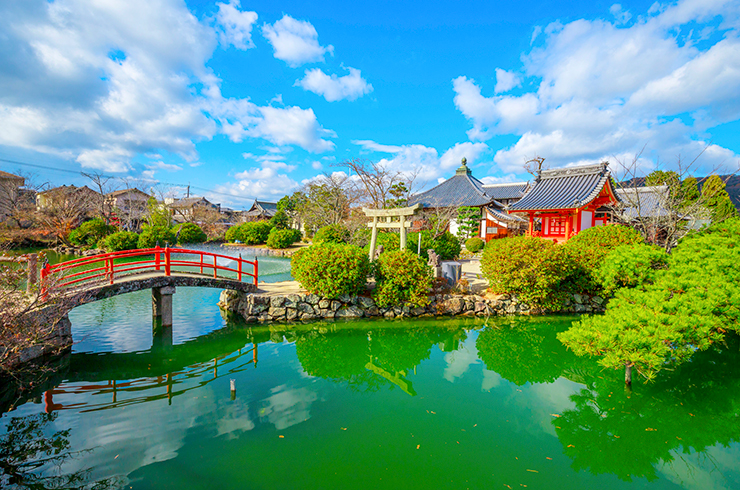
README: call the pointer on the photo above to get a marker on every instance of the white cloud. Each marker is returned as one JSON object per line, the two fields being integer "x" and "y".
{"x": 258, "y": 183}
{"x": 506, "y": 81}
{"x": 295, "y": 41}
{"x": 603, "y": 89}
{"x": 621, "y": 16}
{"x": 101, "y": 82}
{"x": 334, "y": 88}
{"x": 235, "y": 25}
{"x": 452, "y": 158}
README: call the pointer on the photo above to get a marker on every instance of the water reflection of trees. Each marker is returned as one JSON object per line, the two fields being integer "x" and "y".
{"x": 33, "y": 459}
{"x": 524, "y": 351}
{"x": 369, "y": 359}
{"x": 628, "y": 434}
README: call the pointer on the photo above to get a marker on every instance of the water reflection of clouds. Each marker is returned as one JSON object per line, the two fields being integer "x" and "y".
{"x": 233, "y": 418}
{"x": 459, "y": 361}
{"x": 714, "y": 468}
{"x": 287, "y": 406}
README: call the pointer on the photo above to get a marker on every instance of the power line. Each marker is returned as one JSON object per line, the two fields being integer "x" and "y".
{"x": 76, "y": 172}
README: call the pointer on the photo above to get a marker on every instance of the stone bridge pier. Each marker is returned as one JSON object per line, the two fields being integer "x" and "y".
{"x": 162, "y": 304}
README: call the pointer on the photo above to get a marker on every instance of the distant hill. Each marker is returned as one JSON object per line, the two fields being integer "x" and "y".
{"x": 732, "y": 186}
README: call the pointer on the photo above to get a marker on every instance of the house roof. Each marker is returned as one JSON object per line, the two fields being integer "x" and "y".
{"x": 124, "y": 191}
{"x": 187, "y": 202}
{"x": 644, "y": 202}
{"x": 9, "y": 176}
{"x": 262, "y": 208}
{"x": 69, "y": 188}
{"x": 504, "y": 217}
{"x": 514, "y": 190}
{"x": 564, "y": 188}
{"x": 461, "y": 190}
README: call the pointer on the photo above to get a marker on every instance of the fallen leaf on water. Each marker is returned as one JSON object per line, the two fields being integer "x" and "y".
{"x": 616, "y": 436}
{"x": 691, "y": 414}
{"x": 281, "y": 437}
{"x": 435, "y": 413}
{"x": 463, "y": 430}
{"x": 476, "y": 425}
{"x": 555, "y": 415}
{"x": 548, "y": 457}
{"x": 343, "y": 428}
{"x": 650, "y": 429}
{"x": 506, "y": 485}
{"x": 116, "y": 456}
{"x": 418, "y": 446}
{"x": 533, "y": 471}
{"x": 570, "y": 445}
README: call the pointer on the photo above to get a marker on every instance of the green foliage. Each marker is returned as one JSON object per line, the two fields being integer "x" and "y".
{"x": 191, "y": 233}
{"x": 400, "y": 194}
{"x": 689, "y": 307}
{"x": 361, "y": 237}
{"x": 90, "y": 232}
{"x": 468, "y": 222}
{"x": 403, "y": 278}
{"x": 532, "y": 268}
{"x": 387, "y": 239}
{"x": 337, "y": 233}
{"x": 589, "y": 248}
{"x": 283, "y": 238}
{"x": 158, "y": 215}
{"x": 475, "y": 244}
{"x": 281, "y": 221}
{"x": 249, "y": 233}
{"x": 156, "y": 234}
{"x": 331, "y": 269}
{"x": 122, "y": 240}
{"x": 447, "y": 246}
{"x": 630, "y": 266}
{"x": 717, "y": 200}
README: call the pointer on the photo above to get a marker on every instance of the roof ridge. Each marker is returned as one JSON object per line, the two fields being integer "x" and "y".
{"x": 575, "y": 170}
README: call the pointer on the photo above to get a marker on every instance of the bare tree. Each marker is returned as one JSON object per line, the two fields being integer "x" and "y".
{"x": 535, "y": 165}
{"x": 327, "y": 200}
{"x": 665, "y": 205}
{"x": 63, "y": 210}
{"x": 381, "y": 187}
{"x": 103, "y": 185}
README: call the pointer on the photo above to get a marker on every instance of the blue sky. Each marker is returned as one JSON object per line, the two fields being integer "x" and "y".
{"x": 246, "y": 100}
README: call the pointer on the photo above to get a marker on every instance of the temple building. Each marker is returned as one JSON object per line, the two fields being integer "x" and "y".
{"x": 463, "y": 189}
{"x": 568, "y": 201}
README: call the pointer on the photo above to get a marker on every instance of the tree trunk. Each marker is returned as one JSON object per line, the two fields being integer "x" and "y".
{"x": 628, "y": 374}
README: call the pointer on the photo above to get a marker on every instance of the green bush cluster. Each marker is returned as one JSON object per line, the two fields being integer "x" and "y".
{"x": 283, "y": 238}
{"x": 475, "y": 244}
{"x": 589, "y": 248}
{"x": 153, "y": 235}
{"x": 388, "y": 240}
{"x": 331, "y": 269}
{"x": 337, "y": 233}
{"x": 447, "y": 246}
{"x": 630, "y": 266}
{"x": 532, "y": 268}
{"x": 249, "y": 233}
{"x": 90, "y": 232}
{"x": 403, "y": 278}
{"x": 190, "y": 233}
{"x": 121, "y": 240}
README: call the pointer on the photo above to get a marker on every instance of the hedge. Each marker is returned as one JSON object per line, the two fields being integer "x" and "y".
{"x": 403, "y": 278}
{"x": 283, "y": 238}
{"x": 190, "y": 233}
{"x": 331, "y": 269}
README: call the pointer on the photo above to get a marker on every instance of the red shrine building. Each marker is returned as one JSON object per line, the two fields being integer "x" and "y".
{"x": 568, "y": 201}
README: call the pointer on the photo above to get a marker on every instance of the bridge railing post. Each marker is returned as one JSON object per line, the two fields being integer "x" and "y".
{"x": 256, "y": 270}
{"x": 239, "y": 276}
{"x": 157, "y": 251}
{"x": 214, "y": 267}
{"x": 45, "y": 271}
{"x": 109, "y": 267}
{"x": 167, "y": 265}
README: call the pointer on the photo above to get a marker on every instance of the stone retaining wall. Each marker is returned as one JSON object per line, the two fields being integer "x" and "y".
{"x": 299, "y": 307}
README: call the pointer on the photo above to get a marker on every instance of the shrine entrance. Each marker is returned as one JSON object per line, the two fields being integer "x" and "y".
{"x": 390, "y": 218}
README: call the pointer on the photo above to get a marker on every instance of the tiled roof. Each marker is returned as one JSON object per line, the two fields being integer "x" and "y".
{"x": 644, "y": 202}
{"x": 564, "y": 188}
{"x": 506, "y": 191}
{"x": 461, "y": 190}
{"x": 124, "y": 191}
{"x": 262, "y": 208}
{"x": 503, "y": 216}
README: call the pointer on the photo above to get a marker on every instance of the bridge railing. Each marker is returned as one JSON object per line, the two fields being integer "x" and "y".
{"x": 106, "y": 267}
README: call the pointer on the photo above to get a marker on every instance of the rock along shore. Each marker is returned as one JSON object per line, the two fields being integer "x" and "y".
{"x": 301, "y": 307}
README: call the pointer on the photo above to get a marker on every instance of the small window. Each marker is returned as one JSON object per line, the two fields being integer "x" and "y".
{"x": 491, "y": 231}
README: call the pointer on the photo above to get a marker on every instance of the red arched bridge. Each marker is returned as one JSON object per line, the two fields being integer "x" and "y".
{"x": 159, "y": 269}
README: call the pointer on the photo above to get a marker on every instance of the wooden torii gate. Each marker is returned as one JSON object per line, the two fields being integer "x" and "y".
{"x": 401, "y": 213}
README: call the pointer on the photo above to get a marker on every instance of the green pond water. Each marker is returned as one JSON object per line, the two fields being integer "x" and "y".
{"x": 425, "y": 403}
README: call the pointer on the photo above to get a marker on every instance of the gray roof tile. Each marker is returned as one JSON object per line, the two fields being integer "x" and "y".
{"x": 460, "y": 190}
{"x": 644, "y": 202}
{"x": 506, "y": 191}
{"x": 564, "y": 188}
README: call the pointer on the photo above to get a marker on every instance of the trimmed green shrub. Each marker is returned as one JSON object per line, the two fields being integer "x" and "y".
{"x": 630, "y": 266}
{"x": 388, "y": 240}
{"x": 122, "y": 240}
{"x": 331, "y": 269}
{"x": 361, "y": 237}
{"x": 190, "y": 233}
{"x": 156, "y": 234}
{"x": 90, "y": 232}
{"x": 474, "y": 244}
{"x": 337, "y": 233}
{"x": 403, "y": 278}
{"x": 447, "y": 246}
{"x": 283, "y": 238}
{"x": 531, "y": 268}
{"x": 249, "y": 233}
{"x": 589, "y": 248}
{"x": 281, "y": 221}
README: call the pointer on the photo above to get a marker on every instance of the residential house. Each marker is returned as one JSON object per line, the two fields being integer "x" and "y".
{"x": 11, "y": 194}
{"x": 187, "y": 208}
{"x": 129, "y": 207}
{"x": 568, "y": 201}
{"x": 463, "y": 189}
{"x": 261, "y": 210}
